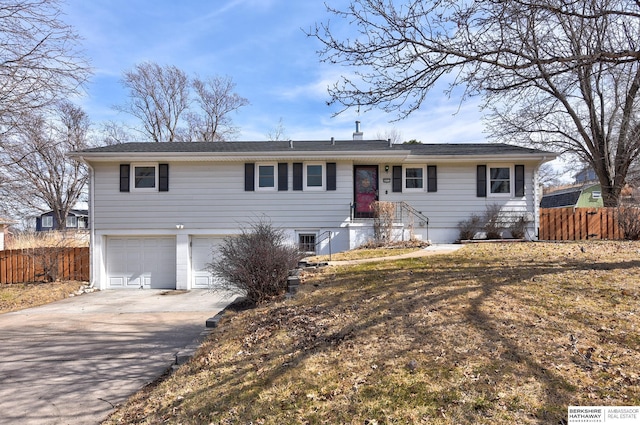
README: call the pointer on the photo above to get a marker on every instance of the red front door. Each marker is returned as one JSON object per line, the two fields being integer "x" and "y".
{"x": 366, "y": 189}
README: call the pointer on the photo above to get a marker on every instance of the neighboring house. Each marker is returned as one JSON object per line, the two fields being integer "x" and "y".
{"x": 583, "y": 196}
{"x": 159, "y": 209}
{"x": 76, "y": 219}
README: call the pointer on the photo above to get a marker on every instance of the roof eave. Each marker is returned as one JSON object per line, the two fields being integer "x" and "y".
{"x": 398, "y": 155}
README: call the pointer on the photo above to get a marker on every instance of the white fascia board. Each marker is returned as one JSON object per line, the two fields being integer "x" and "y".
{"x": 400, "y": 156}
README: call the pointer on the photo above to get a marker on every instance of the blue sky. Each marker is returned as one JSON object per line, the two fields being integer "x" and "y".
{"x": 261, "y": 45}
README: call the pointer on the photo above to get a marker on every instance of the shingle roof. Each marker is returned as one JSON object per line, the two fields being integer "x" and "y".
{"x": 564, "y": 197}
{"x": 557, "y": 200}
{"x": 462, "y": 149}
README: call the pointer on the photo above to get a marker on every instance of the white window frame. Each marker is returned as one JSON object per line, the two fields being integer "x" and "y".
{"x": 47, "y": 221}
{"x": 133, "y": 177}
{"x": 511, "y": 181}
{"x": 323, "y": 177}
{"x": 275, "y": 176}
{"x": 424, "y": 178}
{"x": 74, "y": 223}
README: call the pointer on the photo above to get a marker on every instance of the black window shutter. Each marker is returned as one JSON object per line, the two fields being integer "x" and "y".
{"x": 519, "y": 188}
{"x": 249, "y": 177}
{"x": 125, "y": 170}
{"x": 163, "y": 177}
{"x": 331, "y": 176}
{"x": 283, "y": 176}
{"x": 481, "y": 178}
{"x": 397, "y": 178}
{"x": 432, "y": 178}
{"x": 297, "y": 176}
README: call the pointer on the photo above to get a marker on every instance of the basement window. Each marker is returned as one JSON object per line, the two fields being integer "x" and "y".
{"x": 307, "y": 242}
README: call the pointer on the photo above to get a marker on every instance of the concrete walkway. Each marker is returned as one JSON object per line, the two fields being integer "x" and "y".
{"x": 430, "y": 250}
{"x": 73, "y": 361}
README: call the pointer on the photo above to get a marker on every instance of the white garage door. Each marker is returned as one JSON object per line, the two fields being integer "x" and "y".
{"x": 141, "y": 262}
{"x": 202, "y": 251}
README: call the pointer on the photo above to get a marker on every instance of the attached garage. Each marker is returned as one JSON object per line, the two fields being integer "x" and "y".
{"x": 141, "y": 262}
{"x": 202, "y": 250}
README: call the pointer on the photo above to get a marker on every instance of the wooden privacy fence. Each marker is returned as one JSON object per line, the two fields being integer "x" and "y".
{"x": 44, "y": 265}
{"x": 572, "y": 224}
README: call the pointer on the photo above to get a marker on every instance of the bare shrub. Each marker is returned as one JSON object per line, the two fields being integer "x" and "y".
{"x": 383, "y": 216}
{"x": 629, "y": 221}
{"x": 256, "y": 262}
{"x": 468, "y": 228}
{"x": 493, "y": 223}
{"x": 518, "y": 226}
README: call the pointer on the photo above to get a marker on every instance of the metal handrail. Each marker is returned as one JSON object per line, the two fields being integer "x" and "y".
{"x": 416, "y": 213}
{"x": 322, "y": 237}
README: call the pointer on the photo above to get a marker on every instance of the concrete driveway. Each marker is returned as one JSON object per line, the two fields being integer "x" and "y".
{"x": 73, "y": 361}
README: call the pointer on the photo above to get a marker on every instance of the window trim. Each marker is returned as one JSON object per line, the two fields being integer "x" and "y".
{"x": 134, "y": 188}
{"x": 275, "y": 176}
{"x": 323, "y": 181}
{"x": 492, "y": 194}
{"x": 404, "y": 178}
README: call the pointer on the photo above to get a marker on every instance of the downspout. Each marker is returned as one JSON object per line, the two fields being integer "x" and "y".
{"x": 92, "y": 234}
{"x": 536, "y": 199}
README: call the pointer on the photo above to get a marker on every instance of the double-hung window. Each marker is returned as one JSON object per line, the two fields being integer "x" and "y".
{"x": 144, "y": 177}
{"x": 414, "y": 178}
{"x": 266, "y": 177}
{"x": 47, "y": 221}
{"x": 500, "y": 180}
{"x": 72, "y": 221}
{"x": 314, "y": 176}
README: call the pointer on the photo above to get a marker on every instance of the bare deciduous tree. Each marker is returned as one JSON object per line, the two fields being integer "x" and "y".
{"x": 211, "y": 122}
{"x": 392, "y": 134}
{"x": 114, "y": 133}
{"x": 38, "y": 173}
{"x": 555, "y": 74}
{"x": 174, "y": 108}
{"x": 158, "y": 96}
{"x": 277, "y": 133}
{"x": 40, "y": 60}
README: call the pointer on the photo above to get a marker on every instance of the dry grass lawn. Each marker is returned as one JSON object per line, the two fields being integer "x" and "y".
{"x": 491, "y": 334}
{"x": 18, "y": 296}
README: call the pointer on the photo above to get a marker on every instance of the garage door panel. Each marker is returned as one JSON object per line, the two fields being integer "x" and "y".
{"x": 147, "y": 262}
{"x": 202, "y": 251}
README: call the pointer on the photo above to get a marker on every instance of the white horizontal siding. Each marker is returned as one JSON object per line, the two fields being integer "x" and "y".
{"x": 455, "y": 199}
{"x": 206, "y": 196}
